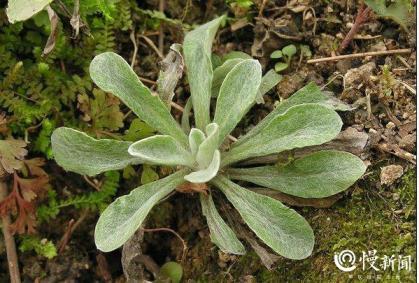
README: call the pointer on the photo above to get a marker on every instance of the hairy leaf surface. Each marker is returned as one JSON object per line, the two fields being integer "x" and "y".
{"x": 300, "y": 126}
{"x": 237, "y": 94}
{"x": 125, "y": 215}
{"x": 77, "y": 152}
{"x": 221, "y": 72}
{"x": 280, "y": 227}
{"x": 197, "y": 54}
{"x": 310, "y": 93}
{"x": 220, "y": 233}
{"x": 318, "y": 175}
{"x": 207, "y": 148}
{"x": 161, "y": 149}
{"x": 21, "y": 10}
{"x": 196, "y": 137}
{"x": 113, "y": 74}
{"x": 269, "y": 80}
{"x": 206, "y": 174}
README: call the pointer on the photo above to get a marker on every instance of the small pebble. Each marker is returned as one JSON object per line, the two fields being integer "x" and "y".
{"x": 390, "y": 174}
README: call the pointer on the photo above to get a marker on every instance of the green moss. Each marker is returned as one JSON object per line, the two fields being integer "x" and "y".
{"x": 370, "y": 217}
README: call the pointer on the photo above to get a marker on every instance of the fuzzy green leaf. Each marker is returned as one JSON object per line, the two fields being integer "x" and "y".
{"x": 276, "y": 54}
{"x": 221, "y": 72}
{"x": 186, "y": 126}
{"x": 125, "y": 215}
{"x": 318, "y": 175}
{"x": 113, "y": 74}
{"x": 280, "y": 227}
{"x": 300, "y": 126}
{"x": 77, "y": 152}
{"x": 161, "y": 149}
{"x": 269, "y": 80}
{"x": 289, "y": 50}
{"x": 398, "y": 11}
{"x": 207, "y": 148}
{"x": 220, "y": 233}
{"x": 237, "y": 94}
{"x": 196, "y": 137}
{"x": 310, "y": 93}
{"x": 197, "y": 54}
{"x": 21, "y": 10}
{"x": 280, "y": 66}
{"x": 206, "y": 174}
{"x": 235, "y": 55}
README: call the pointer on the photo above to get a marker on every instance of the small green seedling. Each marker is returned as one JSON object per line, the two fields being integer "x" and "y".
{"x": 286, "y": 55}
{"x": 202, "y": 156}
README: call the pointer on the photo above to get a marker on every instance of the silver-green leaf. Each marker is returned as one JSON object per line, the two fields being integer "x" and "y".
{"x": 161, "y": 149}
{"x": 207, "y": 148}
{"x": 310, "y": 93}
{"x": 281, "y": 228}
{"x": 237, "y": 94}
{"x": 318, "y": 175}
{"x": 300, "y": 126}
{"x": 197, "y": 54}
{"x": 125, "y": 215}
{"x": 220, "y": 233}
{"x": 196, "y": 137}
{"x": 206, "y": 174}
{"x": 221, "y": 72}
{"x": 77, "y": 152}
{"x": 21, "y": 10}
{"x": 269, "y": 80}
{"x": 113, "y": 74}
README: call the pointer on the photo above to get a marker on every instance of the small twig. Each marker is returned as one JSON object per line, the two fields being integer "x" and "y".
{"x": 262, "y": 7}
{"x": 177, "y": 106}
{"x": 409, "y": 88}
{"x": 9, "y": 241}
{"x": 186, "y": 10}
{"x": 361, "y": 18}
{"x": 401, "y": 59}
{"x": 66, "y": 236}
{"x": 70, "y": 230}
{"x": 161, "y": 29}
{"x": 91, "y": 183}
{"x": 369, "y": 111}
{"x": 134, "y": 42}
{"x": 152, "y": 45}
{"x": 185, "y": 246}
{"x": 147, "y": 81}
{"x": 397, "y": 151}
{"x": 359, "y": 55}
{"x": 103, "y": 268}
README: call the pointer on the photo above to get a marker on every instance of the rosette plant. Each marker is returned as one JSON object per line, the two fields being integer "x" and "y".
{"x": 203, "y": 156}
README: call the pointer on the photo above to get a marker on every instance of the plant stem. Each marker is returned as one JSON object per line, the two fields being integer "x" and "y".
{"x": 361, "y": 18}
{"x": 359, "y": 55}
{"x": 9, "y": 241}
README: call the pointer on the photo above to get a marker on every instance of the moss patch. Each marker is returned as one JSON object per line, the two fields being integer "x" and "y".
{"x": 369, "y": 218}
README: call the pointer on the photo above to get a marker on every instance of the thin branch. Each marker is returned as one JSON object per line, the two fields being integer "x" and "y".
{"x": 161, "y": 29}
{"x": 134, "y": 42}
{"x": 152, "y": 45}
{"x": 361, "y": 18}
{"x": 360, "y": 55}
{"x": 397, "y": 151}
{"x": 9, "y": 241}
{"x": 71, "y": 227}
{"x": 185, "y": 246}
